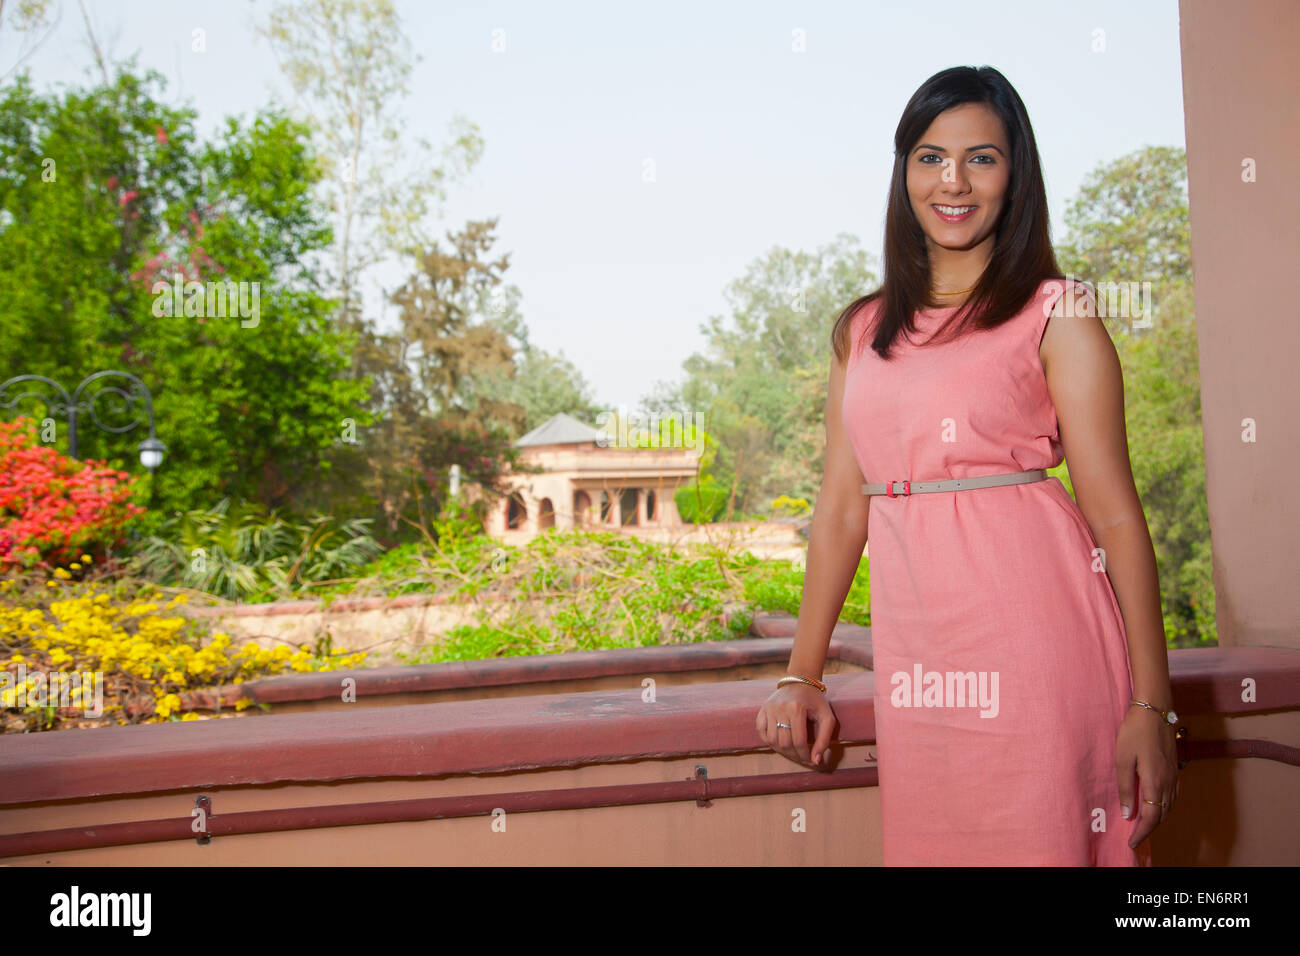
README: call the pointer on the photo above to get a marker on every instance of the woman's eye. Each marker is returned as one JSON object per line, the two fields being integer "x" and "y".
{"x": 985, "y": 156}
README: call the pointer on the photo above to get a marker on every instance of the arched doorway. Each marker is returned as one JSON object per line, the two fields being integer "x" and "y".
{"x": 516, "y": 512}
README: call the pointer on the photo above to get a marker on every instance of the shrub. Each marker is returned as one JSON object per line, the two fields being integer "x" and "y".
{"x": 244, "y": 554}
{"x": 52, "y": 507}
{"x": 148, "y": 658}
{"x": 701, "y": 502}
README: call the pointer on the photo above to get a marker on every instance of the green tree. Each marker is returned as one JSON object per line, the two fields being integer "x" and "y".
{"x": 431, "y": 407}
{"x": 106, "y": 197}
{"x": 348, "y": 62}
{"x": 761, "y": 384}
{"x": 1129, "y": 224}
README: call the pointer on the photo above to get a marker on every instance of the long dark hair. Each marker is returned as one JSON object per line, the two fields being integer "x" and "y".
{"x": 1022, "y": 253}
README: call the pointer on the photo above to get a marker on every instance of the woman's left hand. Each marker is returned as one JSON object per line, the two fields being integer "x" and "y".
{"x": 1146, "y": 756}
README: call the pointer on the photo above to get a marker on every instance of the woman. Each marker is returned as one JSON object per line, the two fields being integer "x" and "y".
{"x": 1022, "y": 700}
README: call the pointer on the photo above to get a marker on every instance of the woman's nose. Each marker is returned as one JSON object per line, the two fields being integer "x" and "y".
{"x": 953, "y": 173}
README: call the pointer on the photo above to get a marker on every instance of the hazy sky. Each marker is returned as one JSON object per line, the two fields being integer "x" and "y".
{"x": 754, "y": 145}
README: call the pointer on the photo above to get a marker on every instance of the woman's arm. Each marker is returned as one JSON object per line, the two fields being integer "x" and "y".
{"x": 1087, "y": 388}
{"x": 836, "y": 540}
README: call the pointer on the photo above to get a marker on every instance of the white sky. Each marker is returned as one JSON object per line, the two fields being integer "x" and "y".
{"x": 754, "y": 145}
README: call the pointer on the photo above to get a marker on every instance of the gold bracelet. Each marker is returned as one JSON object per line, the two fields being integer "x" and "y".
{"x": 1166, "y": 716}
{"x": 801, "y": 680}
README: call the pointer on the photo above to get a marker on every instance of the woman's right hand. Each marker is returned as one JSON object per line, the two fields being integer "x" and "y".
{"x": 796, "y": 704}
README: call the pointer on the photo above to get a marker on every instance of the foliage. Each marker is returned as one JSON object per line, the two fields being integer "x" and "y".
{"x": 778, "y": 586}
{"x": 429, "y": 413}
{"x": 701, "y": 501}
{"x": 107, "y": 199}
{"x": 348, "y": 62}
{"x": 456, "y": 524}
{"x": 148, "y": 659}
{"x": 586, "y": 590}
{"x": 762, "y": 380}
{"x": 245, "y": 554}
{"x": 785, "y": 506}
{"x": 53, "y": 507}
{"x": 1165, "y": 443}
{"x": 1129, "y": 224}
{"x": 540, "y": 383}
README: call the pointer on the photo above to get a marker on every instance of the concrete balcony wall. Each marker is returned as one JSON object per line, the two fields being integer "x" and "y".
{"x": 58, "y": 796}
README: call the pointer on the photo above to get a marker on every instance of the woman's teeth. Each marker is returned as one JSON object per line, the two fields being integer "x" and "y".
{"x": 953, "y": 213}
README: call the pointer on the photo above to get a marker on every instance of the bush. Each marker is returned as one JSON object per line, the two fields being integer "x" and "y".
{"x": 246, "y": 554}
{"x": 596, "y": 590}
{"x": 701, "y": 502}
{"x": 52, "y": 507}
{"x": 121, "y": 629}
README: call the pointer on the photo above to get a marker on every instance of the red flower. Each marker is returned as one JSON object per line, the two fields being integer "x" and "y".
{"x": 128, "y": 196}
{"x": 52, "y": 507}
{"x": 160, "y": 134}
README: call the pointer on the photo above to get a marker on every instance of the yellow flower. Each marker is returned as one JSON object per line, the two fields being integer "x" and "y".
{"x": 86, "y": 558}
{"x": 61, "y": 573}
{"x": 75, "y": 566}
{"x": 190, "y": 716}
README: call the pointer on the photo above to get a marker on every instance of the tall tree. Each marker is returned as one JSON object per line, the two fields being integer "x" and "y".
{"x": 28, "y": 19}
{"x": 762, "y": 382}
{"x": 108, "y": 191}
{"x": 348, "y": 62}
{"x": 436, "y": 408}
{"x": 1129, "y": 224}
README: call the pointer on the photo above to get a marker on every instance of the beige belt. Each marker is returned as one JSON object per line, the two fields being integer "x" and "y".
{"x": 951, "y": 484}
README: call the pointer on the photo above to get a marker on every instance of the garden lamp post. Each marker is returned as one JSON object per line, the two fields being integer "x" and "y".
{"x": 151, "y": 449}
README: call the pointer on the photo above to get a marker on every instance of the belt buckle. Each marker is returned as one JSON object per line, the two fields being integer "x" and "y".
{"x": 889, "y": 488}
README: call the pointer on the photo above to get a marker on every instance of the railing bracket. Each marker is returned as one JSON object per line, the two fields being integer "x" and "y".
{"x": 702, "y": 775}
{"x": 203, "y": 804}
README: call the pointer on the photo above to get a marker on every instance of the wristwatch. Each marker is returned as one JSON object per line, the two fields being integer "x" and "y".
{"x": 1167, "y": 716}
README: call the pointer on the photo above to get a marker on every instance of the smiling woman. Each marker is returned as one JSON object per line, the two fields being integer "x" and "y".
{"x": 1009, "y": 729}
{"x": 961, "y": 187}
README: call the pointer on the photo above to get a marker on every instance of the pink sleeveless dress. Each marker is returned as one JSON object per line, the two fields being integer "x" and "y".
{"x": 1000, "y": 656}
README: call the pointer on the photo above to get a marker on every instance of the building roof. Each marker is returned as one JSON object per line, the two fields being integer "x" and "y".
{"x": 561, "y": 429}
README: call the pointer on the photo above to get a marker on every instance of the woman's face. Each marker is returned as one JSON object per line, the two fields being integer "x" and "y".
{"x": 957, "y": 176}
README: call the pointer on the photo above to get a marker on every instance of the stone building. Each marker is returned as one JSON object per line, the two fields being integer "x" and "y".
{"x": 589, "y": 481}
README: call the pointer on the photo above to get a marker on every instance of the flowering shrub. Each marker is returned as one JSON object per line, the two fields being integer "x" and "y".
{"x": 53, "y": 507}
{"x": 149, "y": 659}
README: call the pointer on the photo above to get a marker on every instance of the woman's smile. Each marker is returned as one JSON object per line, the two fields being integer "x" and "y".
{"x": 953, "y": 213}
